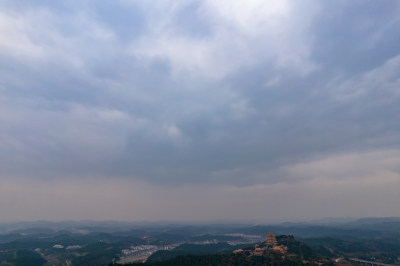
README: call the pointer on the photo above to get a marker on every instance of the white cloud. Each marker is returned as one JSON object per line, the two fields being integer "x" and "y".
{"x": 15, "y": 39}
{"x": 241, "y": 33}
{"x": 249, "y": 16}
{"x": 173, "y": 131}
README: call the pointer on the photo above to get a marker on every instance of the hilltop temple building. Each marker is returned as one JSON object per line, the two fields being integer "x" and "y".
{"x": 270, "y": 244}
{"x": 271, "y": 240}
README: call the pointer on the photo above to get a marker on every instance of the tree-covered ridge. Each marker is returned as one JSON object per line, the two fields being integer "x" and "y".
{"x": 193, "y": 249}
{"x": 21, "y": 258}
{"x": 223, "y": 260}
{"x": 298, "y": 254}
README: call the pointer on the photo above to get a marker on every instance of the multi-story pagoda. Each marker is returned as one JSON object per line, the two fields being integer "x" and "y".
{"x": 271, "y": 240}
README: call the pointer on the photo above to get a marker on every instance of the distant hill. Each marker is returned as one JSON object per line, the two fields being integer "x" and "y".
{"x": 221, "y": 254}
{"x": 385, "y": 250}
{"x": 222, "y": 260}
{"x": 21, "y": 258}
{"x": 371, "y": 239}
{"x": 192, "y": 249}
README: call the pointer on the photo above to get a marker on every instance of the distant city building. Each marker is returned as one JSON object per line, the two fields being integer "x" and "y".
{"x": 73, "y": 247}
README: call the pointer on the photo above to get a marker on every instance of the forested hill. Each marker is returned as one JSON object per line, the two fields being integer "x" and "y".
{"x": 223, "y": 260}
{"x": 298, "y": 254}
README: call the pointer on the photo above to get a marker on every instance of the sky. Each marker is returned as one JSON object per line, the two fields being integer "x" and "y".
{"x": 199, "y": 110}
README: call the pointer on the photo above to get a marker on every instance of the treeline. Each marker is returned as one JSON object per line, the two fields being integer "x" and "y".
{"x": 193, "y": 249}
{"x": 223, "y": 260}
{"x": 21, "y": 258}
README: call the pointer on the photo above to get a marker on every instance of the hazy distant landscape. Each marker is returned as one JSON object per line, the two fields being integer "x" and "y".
{"x": 102, "y": 243}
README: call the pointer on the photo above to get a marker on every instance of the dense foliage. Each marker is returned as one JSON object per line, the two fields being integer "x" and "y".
{"x": 192, "y": 249}
{"x": 223, "y": 260}
{"x": 22, "y": 258}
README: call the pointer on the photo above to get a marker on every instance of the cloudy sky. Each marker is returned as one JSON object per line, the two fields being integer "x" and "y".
{"x": 199, "y": 110}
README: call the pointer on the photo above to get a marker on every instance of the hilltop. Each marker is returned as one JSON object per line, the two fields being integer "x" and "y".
{"x": 282, "y": 250}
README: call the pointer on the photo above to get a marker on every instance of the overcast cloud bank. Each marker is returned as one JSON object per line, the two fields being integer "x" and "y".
{"x": 189, "y": 110}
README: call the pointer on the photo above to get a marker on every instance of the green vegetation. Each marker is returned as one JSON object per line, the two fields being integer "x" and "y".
{"x": 192, "y": 249}
{"x": 384, "y": 250}
{"x": 222, "y": 260}
{"x": 298, "y": 252}
{"x": 23, "y": 258}
{"x": 96, "y": 254}
{"x": 297, "y": 248}
{"x": 369, "y": 239}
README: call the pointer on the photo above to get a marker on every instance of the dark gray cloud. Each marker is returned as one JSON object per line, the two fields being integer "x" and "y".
{"x": 194, "y": 92}
{"x": 354, "y": 37}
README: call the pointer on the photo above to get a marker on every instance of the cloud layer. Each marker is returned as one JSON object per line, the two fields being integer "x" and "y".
{"x": 208, "y": 95}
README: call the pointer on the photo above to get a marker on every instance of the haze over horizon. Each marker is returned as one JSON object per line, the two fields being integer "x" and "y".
{"x": 199, "y": 110}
